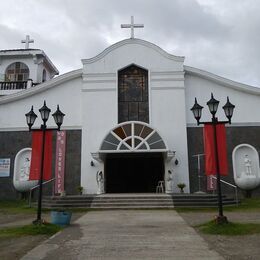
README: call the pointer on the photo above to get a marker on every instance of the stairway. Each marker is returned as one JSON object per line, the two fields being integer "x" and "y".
{"x": 135, "y": 201}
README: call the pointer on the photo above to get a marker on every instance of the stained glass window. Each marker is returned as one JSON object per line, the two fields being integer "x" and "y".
{"x": 133, "y": 136}
{"x": 133, "y": 102}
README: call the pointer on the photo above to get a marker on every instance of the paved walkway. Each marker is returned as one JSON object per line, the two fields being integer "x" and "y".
{"x": 138, "y": 234}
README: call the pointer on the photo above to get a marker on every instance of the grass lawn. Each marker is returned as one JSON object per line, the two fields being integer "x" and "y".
{"x": 248, "y": 204}
{"x": 15, "y": 207}
{"x": 229, "y": 229}
{"x": 44, "y": 229}
{"x": 22, "y": 207}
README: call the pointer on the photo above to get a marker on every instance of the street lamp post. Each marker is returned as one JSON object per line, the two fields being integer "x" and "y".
{"x": 30, "y": 118}
{"x": 213, "y": 107}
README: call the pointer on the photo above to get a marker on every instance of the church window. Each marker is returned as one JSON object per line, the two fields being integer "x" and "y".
{"x": 133, "y": 102}
{"x": 44, "y": 75}
{"x": 17, "y": 71}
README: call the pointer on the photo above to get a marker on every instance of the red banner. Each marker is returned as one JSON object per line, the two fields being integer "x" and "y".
{"x": 60, "y": 161}
{"x": 35, "y": 170}
{"x": 209, "y": 150}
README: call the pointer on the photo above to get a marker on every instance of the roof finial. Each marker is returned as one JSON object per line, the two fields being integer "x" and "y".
{"x": 132, "y": 26}
{"x": 27, "y": 41}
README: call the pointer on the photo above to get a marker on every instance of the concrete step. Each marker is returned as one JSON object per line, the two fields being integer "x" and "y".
{"x": 135, "y": 201}
{"x": 117, "y": 207}
{"x": 162, "y": 202}
{"x": 129, "y": 197}
{"x": 142, "y": 203}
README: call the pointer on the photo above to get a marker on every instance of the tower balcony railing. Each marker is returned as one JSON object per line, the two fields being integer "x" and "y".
{"x": 13, "y": 85}
{"x": 10, "y": 87}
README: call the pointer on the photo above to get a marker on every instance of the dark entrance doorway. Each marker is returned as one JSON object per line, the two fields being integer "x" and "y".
{"x": 138, "y": 172}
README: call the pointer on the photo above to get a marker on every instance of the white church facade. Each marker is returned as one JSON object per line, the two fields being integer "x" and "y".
{"x": 128, "y": 118}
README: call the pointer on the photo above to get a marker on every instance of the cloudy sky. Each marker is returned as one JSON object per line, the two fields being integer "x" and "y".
{"x": 220, "y": 36}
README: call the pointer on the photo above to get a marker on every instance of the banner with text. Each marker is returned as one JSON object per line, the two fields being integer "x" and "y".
{"x": 60, "y": 161}
{"x": 211, "y": 183}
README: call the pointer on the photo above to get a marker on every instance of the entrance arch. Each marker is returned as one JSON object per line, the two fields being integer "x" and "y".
{"x": 134, "y": 158}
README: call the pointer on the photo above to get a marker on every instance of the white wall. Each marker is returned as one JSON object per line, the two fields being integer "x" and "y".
{"x": 166, "y": 97}
{"x": 246, "y": 100}
{"x": 98, "y": 118}
{"x": 68, "y": 95}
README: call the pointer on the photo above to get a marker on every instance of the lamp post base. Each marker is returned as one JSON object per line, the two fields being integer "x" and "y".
{"x": 221, "y": 220}
{"x": 39, "y": 221}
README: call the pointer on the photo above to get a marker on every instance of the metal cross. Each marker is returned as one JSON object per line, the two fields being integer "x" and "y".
{"x": 132, "y": 26}
{"x": 27, "y": 41}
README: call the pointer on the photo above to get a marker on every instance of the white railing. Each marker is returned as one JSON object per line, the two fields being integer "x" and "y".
{"x": 35, "y": 187}
{"x": 231, "y": 185}
{"x": 10, "y": 87}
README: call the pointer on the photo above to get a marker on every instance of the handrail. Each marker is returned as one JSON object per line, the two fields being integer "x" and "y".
{"x": 34, "y": 187}
{"x": 232, "y": 185}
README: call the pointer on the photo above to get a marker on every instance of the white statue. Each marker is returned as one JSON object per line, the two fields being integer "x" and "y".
{"x": 25, "y": 169}
{"x": 100, "y": 182}
{"x": 248, "y": 165}
{"x": 169, "y": 182}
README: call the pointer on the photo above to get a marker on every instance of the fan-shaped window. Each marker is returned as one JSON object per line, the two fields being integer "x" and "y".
{"x": 133, "y": 102}
{"x": 133, "y": 136}
{"x": 17, "y": 71}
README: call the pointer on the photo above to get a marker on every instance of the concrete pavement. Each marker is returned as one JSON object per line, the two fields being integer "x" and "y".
{"x": 125, "y": 234}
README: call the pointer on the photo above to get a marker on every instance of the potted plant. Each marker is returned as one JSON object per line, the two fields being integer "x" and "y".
{"x": 80, "y": 190}
{"x": 63, "y": 193}
{"x": 181, "y": 186}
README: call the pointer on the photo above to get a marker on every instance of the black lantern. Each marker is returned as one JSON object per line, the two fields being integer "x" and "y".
{"x": 197, "y": 110}
{"x": 45, "y": 112}
{"x": 30, "y": 118}
{"x": 213, "y": 105}
{"x": 228, "y": 109}
{"x": 58, "y": 117}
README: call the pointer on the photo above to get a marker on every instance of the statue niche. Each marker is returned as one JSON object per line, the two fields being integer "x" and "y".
{"x": 246, "y": 167}
{"x": 22, "y": 166}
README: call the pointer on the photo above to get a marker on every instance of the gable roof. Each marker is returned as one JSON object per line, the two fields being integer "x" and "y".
{"x": 221, "y": 80}
{"x": 133, "y": 41}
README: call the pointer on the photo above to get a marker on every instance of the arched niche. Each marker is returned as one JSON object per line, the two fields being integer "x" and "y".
{"x": 246, "y": 167}
{"x": 44, "y": 75}
{"x": 22, "y": 164}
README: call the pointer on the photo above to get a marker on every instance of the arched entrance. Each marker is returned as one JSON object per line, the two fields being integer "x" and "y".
{"x": 134, "y": 155}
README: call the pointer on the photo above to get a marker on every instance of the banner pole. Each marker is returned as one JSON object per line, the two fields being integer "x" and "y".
{"x": 39, "y": 209}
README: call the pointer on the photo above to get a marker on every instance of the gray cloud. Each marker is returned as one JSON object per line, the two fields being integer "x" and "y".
{"x": 216, "y": 35}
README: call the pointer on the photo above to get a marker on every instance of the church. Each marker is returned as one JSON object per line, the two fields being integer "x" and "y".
{"x": 127, "y": 123}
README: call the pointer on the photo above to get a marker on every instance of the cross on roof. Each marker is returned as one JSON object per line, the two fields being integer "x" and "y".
{"x": 132, "y": 26}
{"x": 27, "y": 41}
